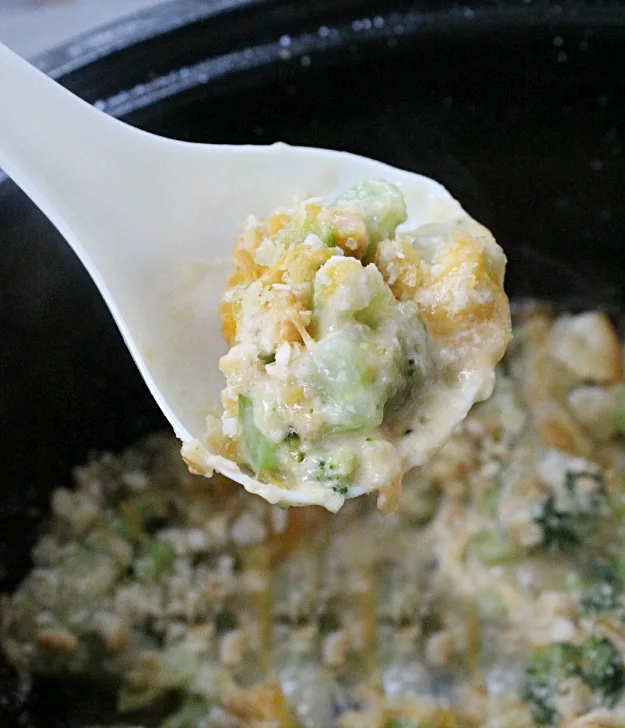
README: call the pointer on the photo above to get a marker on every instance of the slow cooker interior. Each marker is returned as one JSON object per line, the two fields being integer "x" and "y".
{"x": 523, "y": 124}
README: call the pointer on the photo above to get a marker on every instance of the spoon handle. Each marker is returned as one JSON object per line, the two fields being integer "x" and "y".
{"x": 42, "y": 125}
{"x": 53, "y": 144}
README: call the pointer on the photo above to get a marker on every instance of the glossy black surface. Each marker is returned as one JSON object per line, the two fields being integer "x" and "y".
{"x": 516, "y": 107}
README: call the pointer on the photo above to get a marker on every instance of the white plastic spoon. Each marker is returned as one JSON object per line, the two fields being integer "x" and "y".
{"x": 153, "y": 221}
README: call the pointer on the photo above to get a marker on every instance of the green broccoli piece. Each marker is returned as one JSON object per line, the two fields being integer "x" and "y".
{"x": 328, "y": 621}
{"x": 595, "y": 661}
{"x": 603, "y": 594}
{"x": 559, "y": 531}
{"x": 430, "y": 623}
{"x": 225, "y": 620}
{"x": 566, "y": 526}
{"x": 599, "y": 598}
{"x": 334, "y": 469}
{"x": 383, "y": 204}
{"x": 601, "y": 667}
{"x": 356, "y": 378}
{"x": 547, "y": 668}
{"x": 297, "y": 229}
{"x": 261, "y": 453}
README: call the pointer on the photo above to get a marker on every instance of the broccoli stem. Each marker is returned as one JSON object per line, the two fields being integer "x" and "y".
{"x": 261, "y": 453}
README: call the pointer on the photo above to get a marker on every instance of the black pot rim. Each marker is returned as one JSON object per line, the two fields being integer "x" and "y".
{"x": 312, "y": 28}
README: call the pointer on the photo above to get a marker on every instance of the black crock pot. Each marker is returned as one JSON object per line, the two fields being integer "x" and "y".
{"x": 516, "y": 107}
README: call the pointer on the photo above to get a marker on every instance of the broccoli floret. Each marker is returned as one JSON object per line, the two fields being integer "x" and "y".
{"x": 328, "y": 621}
{"x": 601, "y": 667}
{"x": 383, "y": 204}
{"x": 261, "y": 453}
{"x": 335, "y": 469}
{"x": 595, "y": 661}
{"x": 431, "y": 622}
{"x": 604, "y": 593}
{"x": 559, "y": 532}
{"x": 599, "y": 598}
{"x": 225, "y": 620}
{"x": 546, "y": 670}
{"x": 569, "y": 520}
{"x": 356, "y": 376}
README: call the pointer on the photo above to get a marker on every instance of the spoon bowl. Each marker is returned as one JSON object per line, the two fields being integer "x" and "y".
{"x": 153, "y": 221}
